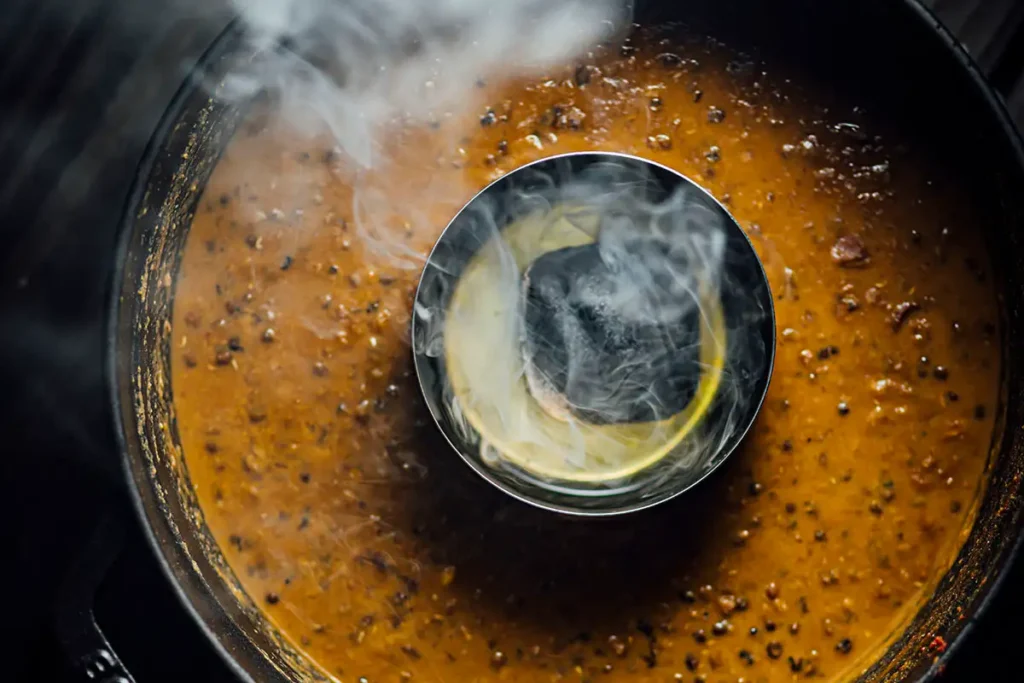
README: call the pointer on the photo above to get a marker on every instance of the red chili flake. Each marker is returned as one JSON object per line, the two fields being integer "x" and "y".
{"x": 938, "y": 645}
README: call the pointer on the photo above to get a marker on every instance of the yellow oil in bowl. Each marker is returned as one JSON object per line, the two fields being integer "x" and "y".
{"x": 484, "y": 366}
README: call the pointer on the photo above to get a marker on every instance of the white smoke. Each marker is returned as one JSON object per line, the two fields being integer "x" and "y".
{"x": 359, "y": 69}
{"x": 356, "y": 65}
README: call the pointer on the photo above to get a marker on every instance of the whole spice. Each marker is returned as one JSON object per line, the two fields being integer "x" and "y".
{"x": 849, "y": 252}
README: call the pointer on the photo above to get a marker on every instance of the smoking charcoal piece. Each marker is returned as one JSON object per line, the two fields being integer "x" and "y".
{"x": 588, "y": 351}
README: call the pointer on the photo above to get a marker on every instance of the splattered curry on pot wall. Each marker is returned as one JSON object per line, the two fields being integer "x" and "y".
{"x": 369, "y": 545}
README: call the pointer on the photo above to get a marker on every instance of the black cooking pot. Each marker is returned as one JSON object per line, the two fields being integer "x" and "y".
{"x": 890, "y": 54}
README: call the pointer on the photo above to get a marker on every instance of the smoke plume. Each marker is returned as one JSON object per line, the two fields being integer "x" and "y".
{"x": 595, "y": 346}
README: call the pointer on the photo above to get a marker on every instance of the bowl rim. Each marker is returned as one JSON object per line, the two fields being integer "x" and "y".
{"x": 419, "y": 359}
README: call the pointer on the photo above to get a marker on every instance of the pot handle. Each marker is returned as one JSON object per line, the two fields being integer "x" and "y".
{"x": 82, "y": 639}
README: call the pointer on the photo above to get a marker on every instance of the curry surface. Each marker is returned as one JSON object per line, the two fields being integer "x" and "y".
{"x": 371, "y": 546}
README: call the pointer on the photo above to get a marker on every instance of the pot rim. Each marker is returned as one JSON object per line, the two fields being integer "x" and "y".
{"x": 136, "y": 196}
{"x": 994, "y": 101}
{"x": 1012, "y": 134}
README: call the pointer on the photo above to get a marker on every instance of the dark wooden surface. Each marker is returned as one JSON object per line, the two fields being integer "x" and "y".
{"x": 71, "y": 68}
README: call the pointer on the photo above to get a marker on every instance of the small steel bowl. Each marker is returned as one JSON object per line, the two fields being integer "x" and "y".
{"x": 533, "y": 211}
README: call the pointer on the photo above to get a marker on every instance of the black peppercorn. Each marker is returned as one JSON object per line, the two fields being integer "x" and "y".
{"x": 844, "y": 646}
{"x": 843, "y": 408}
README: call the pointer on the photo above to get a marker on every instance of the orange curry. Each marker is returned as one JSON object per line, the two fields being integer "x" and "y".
{"x": 370, "y": 544}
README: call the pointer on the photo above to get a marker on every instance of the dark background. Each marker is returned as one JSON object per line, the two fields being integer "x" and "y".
{"x": 82, "y": 85}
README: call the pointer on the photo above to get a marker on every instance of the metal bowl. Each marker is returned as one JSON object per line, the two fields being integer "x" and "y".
{"x": 469, "y": 335}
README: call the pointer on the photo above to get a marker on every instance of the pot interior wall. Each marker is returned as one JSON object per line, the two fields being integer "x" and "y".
{"x": 880, "y": 52}
{"x": 184, "y": 152}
